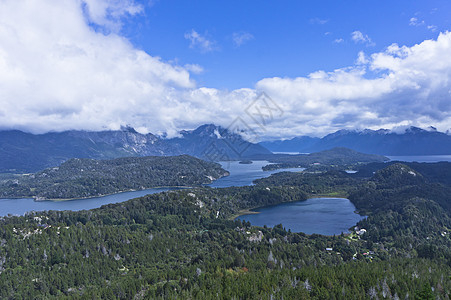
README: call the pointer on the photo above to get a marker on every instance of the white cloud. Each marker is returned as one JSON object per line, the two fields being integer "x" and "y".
{"x": 410, "y": 85}
{"x": 57, "y": 73}
{"x": 239, "y": 38}
{"x": 108, "y": 13}
{"x": 359, "y": 37}
{"x": 194, "y": 68}
{"x": 361, "y": 59}
{"x": 200, "y": 41}
{"x": 414, "y": 21}
{"x": 339, "y": 41}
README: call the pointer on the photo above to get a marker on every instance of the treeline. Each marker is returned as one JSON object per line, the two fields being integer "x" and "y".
{"x": 79, "y": 178}
{"x": 439, "y": 172}
{"x": 331, "y": 182}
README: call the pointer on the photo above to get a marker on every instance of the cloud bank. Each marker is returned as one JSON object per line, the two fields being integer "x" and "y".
{"x": 59, "y": 72}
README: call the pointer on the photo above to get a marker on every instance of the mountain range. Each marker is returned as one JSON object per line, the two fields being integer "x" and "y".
{"x": 26, "y": 152}
{"x": 411, "y": 141}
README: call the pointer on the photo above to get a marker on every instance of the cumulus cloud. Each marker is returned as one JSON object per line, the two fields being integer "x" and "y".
{"x": 411, "y": 87}
{"x": 108, "y": 13}
{"x": 239, "y": 38}
{"x": 58, "y": 73}
{"x": 359, "y": 37}
{"x": 339, "y": 41}
{"x": 201, "y": 42}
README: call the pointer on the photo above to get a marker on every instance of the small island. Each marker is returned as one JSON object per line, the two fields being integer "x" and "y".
{"x": 245, "y": 162}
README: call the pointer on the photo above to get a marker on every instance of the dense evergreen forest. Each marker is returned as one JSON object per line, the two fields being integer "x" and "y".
{"x": 80, "y": 178}
{"x": 186, "y": 244}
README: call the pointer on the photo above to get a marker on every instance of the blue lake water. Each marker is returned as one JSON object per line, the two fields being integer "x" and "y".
{"x": 21, "y": 206}
{"x": 327, "y": 216}
{"x": 245, "y": 174}
{"x": 240, "y": 175}
{"x": 324, "y": 216}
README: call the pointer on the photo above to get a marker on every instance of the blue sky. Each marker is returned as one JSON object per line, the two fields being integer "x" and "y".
{"x": 287, "y": 38}
{"x": 162, "y": 66}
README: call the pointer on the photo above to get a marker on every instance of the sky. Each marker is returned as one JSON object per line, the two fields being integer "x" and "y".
{"x": 279, "y": 69}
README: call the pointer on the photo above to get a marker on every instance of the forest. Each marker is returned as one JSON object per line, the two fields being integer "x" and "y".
{"x": 83, "y": 178}
{"x": 186, "y": 244}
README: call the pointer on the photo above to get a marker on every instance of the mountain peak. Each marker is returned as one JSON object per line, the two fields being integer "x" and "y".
{"x": 128, "y": 128}
{"x": 414, "y": 129}
{"x": 207, "y": 129}
{"x": 339, "y": 133}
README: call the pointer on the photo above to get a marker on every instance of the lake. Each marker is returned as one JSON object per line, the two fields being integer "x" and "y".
{"x": 421, "y": 158}
{"x": 21, "y": 206}
{"x": 240, "y": 175}
{"x": 327, "y": 216}
{"x": 245, "y": 174}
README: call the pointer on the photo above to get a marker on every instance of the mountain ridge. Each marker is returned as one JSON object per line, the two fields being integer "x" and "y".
{"x": 411, "y": 141}
{"x": 27, "y": 152}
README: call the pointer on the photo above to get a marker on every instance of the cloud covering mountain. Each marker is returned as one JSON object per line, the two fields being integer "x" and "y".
{"x": 65, "y": 65}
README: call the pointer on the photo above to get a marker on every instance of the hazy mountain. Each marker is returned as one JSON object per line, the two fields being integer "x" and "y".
{"x": 292, "y": 145}
{"x": 26, "y": 152}
{"x": 412, "y": 141}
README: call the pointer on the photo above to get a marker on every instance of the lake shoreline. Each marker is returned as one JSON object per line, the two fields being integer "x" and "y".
{"x": 250, "y": 211}
{"x": 43, "y": 199}
{"x": 287, "y": 220}
{"x": 37, "y": 199}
